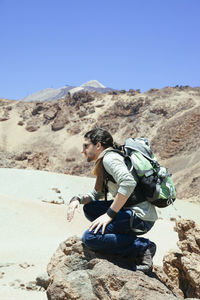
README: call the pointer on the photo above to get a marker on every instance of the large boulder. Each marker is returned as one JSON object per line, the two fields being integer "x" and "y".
{"x": 183, "y": 266}
{"x": 60, "y": 120}
{"x": 79, "y": 273}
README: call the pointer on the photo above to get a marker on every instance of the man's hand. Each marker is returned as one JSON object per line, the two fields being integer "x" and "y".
{"x": 103, "y": 221}
{"x": 71, "y": 209}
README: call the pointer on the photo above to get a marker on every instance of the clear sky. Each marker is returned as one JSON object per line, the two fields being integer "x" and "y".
{"x": 139, "y": 44}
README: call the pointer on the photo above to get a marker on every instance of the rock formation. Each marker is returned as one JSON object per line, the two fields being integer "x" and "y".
{"x": 78, "y": 273}
{"x": 183, "y": 267}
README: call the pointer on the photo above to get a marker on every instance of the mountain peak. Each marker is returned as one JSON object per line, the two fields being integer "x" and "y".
{"x": 50, "y": 94}
{"x": 94, "y": 84}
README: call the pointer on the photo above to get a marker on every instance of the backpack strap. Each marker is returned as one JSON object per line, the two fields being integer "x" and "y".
{"x": 107, "y": 176}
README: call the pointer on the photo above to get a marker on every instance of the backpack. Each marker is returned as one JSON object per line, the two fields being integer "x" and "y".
{"x": 154, "y": 182}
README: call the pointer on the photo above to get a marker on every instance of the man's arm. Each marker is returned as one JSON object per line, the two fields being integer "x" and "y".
{"x": 105, "y": 219}
{"x": 75, "y": 204}
{"x": 115, "y": 166}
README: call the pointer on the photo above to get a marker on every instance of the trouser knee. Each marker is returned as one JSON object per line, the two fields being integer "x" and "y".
{"x": 88, "y": 239}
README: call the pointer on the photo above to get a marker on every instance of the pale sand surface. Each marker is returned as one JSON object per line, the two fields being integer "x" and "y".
{"x": 31, "y": 230}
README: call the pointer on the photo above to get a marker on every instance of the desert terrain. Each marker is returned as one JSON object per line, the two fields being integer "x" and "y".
{"x": 41, "y": 167}
{"x": 48, "y": 135}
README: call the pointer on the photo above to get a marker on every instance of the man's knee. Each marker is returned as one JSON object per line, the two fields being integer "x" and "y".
{"x": 88, "y": 239}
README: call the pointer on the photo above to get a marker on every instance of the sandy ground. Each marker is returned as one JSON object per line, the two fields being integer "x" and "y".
{"x": 31, "y": 227}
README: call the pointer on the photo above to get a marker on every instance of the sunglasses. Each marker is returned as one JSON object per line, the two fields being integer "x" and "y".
{"x": 85, "y": 146}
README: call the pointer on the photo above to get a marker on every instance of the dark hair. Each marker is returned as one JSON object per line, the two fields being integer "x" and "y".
{"x": 103, "y": 136}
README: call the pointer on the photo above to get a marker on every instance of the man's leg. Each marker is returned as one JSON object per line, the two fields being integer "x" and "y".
{"x": 118, "y": 237}
{"x": 115, "y": 243}
{"x": 95, "y": 209}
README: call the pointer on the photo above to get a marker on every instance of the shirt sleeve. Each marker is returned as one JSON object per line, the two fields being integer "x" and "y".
{"x": 115, "y": 166}
{"x": 94, "y": 195}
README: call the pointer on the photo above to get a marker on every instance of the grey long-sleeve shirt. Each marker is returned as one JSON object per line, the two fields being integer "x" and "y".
{"x": 125, "y": 185}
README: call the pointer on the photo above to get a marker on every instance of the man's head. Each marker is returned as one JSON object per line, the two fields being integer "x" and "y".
{"x": 96, "y": 141}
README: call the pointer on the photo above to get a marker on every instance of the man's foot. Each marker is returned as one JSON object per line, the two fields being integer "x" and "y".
{"x": 146, "y": 262}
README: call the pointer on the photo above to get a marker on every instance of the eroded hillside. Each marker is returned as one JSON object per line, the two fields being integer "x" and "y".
{"x": 48, "y": 135}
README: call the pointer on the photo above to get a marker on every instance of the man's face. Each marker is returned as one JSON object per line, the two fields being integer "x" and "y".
{"x": 90, "y": 150}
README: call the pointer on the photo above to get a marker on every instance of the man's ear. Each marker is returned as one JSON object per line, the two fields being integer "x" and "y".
{"x": 98, "y": 145}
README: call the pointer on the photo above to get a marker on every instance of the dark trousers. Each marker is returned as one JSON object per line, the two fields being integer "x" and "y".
{"x": 119, "y": 237}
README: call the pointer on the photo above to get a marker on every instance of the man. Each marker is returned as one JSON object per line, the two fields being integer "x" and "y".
{"x": 116, "y": 224}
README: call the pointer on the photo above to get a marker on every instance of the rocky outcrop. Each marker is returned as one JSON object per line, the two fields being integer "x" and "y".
{"x": 179, "y": 134}
{"x": 38, "y": 160}
{"x": 78, "y": 273}
{"x": 168, "y": 117}
{"x": 183, "y": 267}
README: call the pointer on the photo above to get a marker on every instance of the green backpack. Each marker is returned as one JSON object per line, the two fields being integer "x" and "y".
{"x": 155, "y": 182}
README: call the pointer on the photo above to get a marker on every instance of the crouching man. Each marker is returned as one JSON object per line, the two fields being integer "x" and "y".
{"x": 116, "y": 225}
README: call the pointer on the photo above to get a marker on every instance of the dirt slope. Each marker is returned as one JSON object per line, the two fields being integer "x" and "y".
{"x": 48, "y": 135}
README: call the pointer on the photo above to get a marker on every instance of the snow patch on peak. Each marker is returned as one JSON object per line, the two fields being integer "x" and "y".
{"x": 94, "y": 84}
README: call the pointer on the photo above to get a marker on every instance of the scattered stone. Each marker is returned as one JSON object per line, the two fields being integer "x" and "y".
{"x": 50, "y": 114}
{"x": 4, "y": 118}
{"x": 24, "y": 265}
{"x": 57, "y": 125}
{"x": 70, "y": 159}
{"x": 20, "y": 123}
{"x": 37, "y": 109}
{"x": 31, "y": 286}
{"x": 38, "y": 160}
{"x": 32, "y": 126}
{"x": 6, "y": 265}
{"x": 21, "y": 157}
{"x": 56, "y": 190}
{"x": 59, "y": 201}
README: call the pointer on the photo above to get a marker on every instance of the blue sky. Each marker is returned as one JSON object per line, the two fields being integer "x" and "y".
{"x": 139, "y": 44}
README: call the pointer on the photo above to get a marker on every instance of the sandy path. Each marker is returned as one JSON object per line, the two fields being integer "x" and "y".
{"x": 31, "y": 230}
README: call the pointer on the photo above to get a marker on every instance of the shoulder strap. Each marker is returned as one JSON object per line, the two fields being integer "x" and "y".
{"x": 107, "y": 176}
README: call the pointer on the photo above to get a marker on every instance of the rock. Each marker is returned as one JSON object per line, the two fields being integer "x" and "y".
{"x": 21, "y": 157}
{"x": 38, "y": 160}
{"x": 59, "y": 124}
{"x": 56, "y": 190}
{"x": 24, "y": 265}
{"x": 81, "y": 97}
{"x": 5, "y": 265}
{"x": 79, "y": 273}
{"x": 4, "y": 118}
{"x": 32, "y": 125}
{"x": 20, "y": 123}
{"x": 43, "y": 280}
{"x": 51, "y": 113}
{"x": 60, "y": 121}
{"x": 31, "y": 285}
{"x": 75, "y": 129}
{"x": 183, "y": 267}
{"x": 37, "y": 109}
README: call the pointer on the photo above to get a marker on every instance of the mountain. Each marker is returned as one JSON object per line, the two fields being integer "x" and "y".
{"x": 49, "y": 135}
{"x": 51, "y": 94}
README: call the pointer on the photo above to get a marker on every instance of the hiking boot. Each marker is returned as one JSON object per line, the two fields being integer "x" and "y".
{"x": 146, "y": 262}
